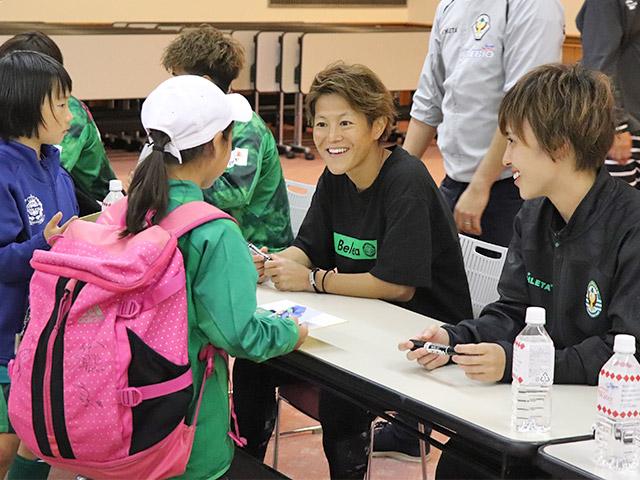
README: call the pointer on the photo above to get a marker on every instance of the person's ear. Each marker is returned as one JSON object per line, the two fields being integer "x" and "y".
{"x": 218, "y": 142}
{"x": 378, "y": 127}
{"x": 564, "y": 152}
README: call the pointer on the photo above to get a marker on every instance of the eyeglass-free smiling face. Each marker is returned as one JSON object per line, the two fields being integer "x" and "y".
{"x": 345, "y": 140}
{"x": 535, "y": 173}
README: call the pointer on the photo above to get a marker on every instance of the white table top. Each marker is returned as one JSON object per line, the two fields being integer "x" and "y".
{"x": 578, "y": 458}
{"x": 367, "y": 347}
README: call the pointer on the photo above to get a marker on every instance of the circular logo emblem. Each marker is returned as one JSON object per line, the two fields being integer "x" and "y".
{"x": 34, "y": 210}
{"x": 594, "y": 300}
{"x": 369, "y": 249}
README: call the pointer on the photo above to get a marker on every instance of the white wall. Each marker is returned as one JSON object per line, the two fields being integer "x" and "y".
{"x": 107, "y": 11}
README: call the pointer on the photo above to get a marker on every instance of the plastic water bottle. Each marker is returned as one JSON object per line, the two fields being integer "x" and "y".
{"x": 532, "y": 372}
{"x": 618, "y": 407}
{"x": 115, "y": 194}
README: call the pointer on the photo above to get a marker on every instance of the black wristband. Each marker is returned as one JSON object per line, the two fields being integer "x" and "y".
{"x": 326, "y": 272}
{"x": 312, "y": 279}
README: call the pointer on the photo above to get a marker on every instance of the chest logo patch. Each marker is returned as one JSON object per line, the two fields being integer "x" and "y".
{"x": 34, "y": 210}
{"x": 481, "y": 26}
{"x": 593, "y": 301}
{"x": 355, "y": 248}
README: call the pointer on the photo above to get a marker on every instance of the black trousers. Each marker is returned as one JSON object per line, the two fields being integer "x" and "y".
{"x": 345, "y": 427}
{"x": 497, "y": 218}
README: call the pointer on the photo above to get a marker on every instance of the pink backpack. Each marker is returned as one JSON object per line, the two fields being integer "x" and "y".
{"x": 101, "y": 382}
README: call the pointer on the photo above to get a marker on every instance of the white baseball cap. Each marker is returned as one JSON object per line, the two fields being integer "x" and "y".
{"x": 191, "y": 110}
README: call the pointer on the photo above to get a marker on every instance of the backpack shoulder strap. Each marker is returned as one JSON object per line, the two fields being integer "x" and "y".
{"x": 191, "y": 215}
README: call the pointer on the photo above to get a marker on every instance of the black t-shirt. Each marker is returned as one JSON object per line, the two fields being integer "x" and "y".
{"x": 399, "y": 229}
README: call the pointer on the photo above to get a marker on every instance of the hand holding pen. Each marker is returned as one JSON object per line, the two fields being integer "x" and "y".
{"x": 433, "y": 335}
{"x": 259, "y": 257}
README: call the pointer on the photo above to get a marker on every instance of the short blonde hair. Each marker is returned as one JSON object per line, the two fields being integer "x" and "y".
{"x": 565, "y": 105}
{"x": 359, "y": 86}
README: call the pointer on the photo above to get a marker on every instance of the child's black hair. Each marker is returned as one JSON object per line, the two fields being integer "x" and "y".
{"x": 27, "y": 80}
{"x": 148, "y": 197}
{"x": 34, "y": 41}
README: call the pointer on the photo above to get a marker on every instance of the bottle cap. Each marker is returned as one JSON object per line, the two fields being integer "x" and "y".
{"x": 115, "y": 185}
{"x": 624, "y": 344}
{"x": 535, "y": 316}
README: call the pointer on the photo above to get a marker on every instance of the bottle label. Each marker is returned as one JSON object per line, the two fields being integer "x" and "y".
{"x": 533, "y": 362}
{"x": 618, "y": 393}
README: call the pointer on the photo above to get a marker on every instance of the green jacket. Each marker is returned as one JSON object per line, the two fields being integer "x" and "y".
{"x": 221, "y": 297}
{"x": 83, "y": 154}
{"x": 252, "y": 189}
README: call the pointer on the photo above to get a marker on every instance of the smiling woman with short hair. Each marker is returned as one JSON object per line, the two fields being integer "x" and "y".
{"x": 377, "y": 227}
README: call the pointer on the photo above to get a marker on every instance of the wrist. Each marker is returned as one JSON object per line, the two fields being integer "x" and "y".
{"x": 312, "y": 280}
{"x": 324, "y": 277}
{"x": 480, "y": 184}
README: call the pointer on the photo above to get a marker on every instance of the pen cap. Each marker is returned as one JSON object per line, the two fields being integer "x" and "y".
{"x": 535, "y": 316}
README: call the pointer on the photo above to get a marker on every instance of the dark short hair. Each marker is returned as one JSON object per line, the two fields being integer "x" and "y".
{"x": 32, "y": 40}
{"x": 205, "y": 51}
{"x": 360, "y": 87}
{"x": 565, "y": 105}
{"x": 27, "y": 79}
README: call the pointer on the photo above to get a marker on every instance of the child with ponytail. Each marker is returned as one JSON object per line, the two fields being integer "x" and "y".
{"x": 190, "y": 122}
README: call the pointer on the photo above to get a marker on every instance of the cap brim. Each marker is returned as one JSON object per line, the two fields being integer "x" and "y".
{"x": 240, "y": 108}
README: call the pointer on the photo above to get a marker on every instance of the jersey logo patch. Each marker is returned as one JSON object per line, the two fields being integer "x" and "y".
{"x": 355, "y": 248}
{"x": 239, "y": 157}
{"x": 481, "y": 26}
{"x": 34, "y": 210}
{"x": 631, "y": 4}
{"x": 593, "y": 301}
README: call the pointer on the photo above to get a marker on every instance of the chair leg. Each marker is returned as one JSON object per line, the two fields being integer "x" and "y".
{"x": 423, "y": 453}
{"x": 276, "y": 440}
{"x": 367, "y": 476}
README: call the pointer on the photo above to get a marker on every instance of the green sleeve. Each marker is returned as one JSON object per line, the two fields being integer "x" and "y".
{"x": 224, "y": 295}
{"x": 83, "y": 154}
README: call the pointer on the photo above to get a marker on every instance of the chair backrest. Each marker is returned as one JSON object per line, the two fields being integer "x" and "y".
{"x": 300, "y": 196}
{"x": 483, "y": 264}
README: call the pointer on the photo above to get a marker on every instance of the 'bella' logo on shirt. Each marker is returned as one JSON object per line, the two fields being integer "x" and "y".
{"x": 355, "y": 248}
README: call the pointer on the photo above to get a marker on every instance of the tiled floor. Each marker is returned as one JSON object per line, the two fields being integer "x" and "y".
{"x": 301, "y": 456}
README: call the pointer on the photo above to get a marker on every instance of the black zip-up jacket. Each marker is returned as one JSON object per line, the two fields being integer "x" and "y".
{"x": 586, "y": 274}
{"x": 611, "y": 44}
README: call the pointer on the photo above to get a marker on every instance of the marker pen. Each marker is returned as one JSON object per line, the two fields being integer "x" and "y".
{"x": 257, "y": 251}
{"x": 436, "y": 348}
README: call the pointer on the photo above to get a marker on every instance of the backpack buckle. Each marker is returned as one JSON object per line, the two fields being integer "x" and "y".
{"x": 129, "y": 309}
{"x": 130, "y": 397}
{"x": 206, "y": 355}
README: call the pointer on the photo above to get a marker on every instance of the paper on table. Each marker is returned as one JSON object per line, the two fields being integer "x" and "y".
{"x": 93, "y": 217}
{"x": 314, "y": 318}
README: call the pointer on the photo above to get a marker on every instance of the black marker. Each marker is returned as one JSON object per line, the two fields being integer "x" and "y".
{"x": 257, "y": 251}
{"x": 436, "y": 348}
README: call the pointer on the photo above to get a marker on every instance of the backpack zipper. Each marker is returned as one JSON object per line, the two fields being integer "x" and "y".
{"x": 63, "y": 309}
{"x": 47, "y": 407}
